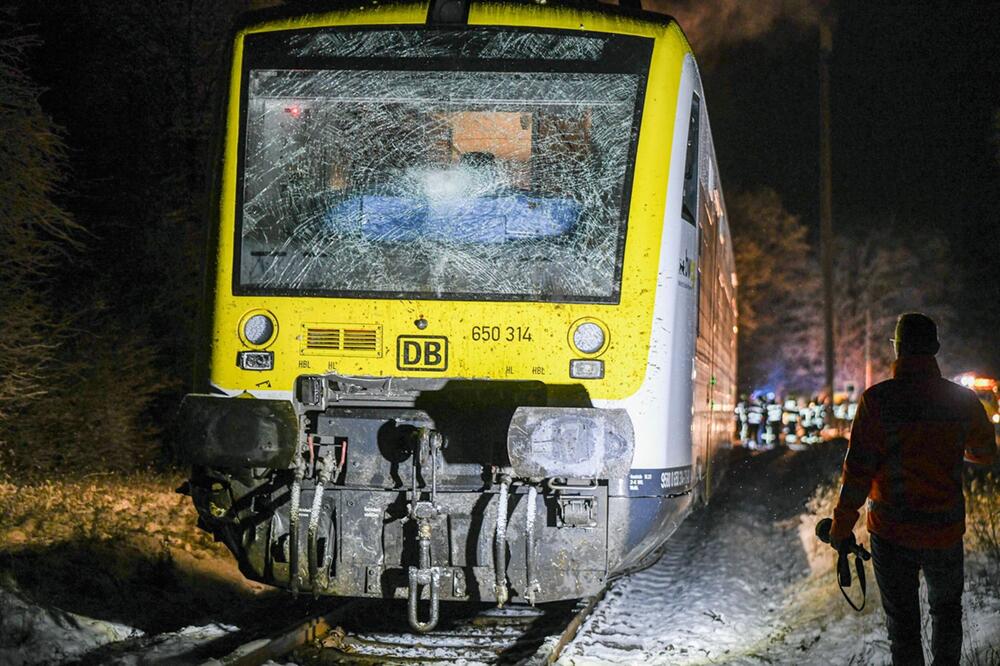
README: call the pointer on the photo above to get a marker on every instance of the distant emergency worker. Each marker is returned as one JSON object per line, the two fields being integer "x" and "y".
{"x": 773, "y": 428}
{"x": 812, "y": 422}
{"x": 840, "y": 410}
{"x": 741, "y": 419}
{"x": 905, "y": 458}
{"x": 806, "y": 420}
{"x": 755, "y": 416}
{"x": 791, "y": 420}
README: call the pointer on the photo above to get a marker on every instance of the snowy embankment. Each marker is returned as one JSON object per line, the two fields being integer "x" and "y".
{"x": 744, "y": 581}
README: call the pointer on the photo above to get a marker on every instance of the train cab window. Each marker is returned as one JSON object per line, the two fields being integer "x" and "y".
{"x": 475, "y": 164}
{"x": 689, "y": 204}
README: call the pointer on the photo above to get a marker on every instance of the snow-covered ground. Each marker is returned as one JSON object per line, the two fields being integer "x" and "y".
{"x": 743, "y": 581}
{"x": 34, "y": 634}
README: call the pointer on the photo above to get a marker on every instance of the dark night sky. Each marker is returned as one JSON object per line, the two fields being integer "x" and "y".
{"x": 914, "y": 145}
{"x": 913, "y": 97}
{"x": 915, "y": 148}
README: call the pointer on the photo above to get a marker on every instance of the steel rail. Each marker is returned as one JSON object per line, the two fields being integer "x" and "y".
{"x": 484, "y": 632}
{"x": 260, "y": 651}
{"x": 571, "y": 630}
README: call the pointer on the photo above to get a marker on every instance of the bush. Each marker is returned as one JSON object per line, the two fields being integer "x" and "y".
{"x": 77, "y": 388}
{"x": 35, "y": 234}
{"x": 100, "y": 418}
{"x": 983, "y": 518}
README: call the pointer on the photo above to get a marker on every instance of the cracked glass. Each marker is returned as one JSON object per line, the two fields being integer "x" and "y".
{"x": 479, "y": 178}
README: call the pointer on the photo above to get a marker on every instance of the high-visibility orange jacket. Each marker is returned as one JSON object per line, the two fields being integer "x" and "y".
{"x": 908, "y": 441}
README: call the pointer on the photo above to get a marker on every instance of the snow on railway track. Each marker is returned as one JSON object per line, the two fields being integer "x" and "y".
{"x": 369, "y": 631}
{"x": 716, "y": 594}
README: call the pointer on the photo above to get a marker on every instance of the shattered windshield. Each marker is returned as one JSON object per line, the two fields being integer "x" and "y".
{"x": 367, "y": 176}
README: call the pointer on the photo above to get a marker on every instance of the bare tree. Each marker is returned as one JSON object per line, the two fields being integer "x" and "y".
{"x": 174, "y": 53}
{"x": 35, "y": 234}
{"x": 878, "y": 277}
{"x": 779, "y": 294}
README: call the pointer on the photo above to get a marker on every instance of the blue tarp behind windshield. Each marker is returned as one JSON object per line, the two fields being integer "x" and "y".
{"x": 474, "y": 220}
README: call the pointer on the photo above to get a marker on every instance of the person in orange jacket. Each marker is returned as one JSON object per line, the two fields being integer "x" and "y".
{"x": 905, "y": 457}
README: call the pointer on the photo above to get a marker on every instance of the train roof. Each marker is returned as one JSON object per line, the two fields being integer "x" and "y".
{"x": 448, "y": 12}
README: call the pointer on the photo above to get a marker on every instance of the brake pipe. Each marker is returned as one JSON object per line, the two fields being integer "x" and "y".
{"x": 529, "y": 556}
{"x": 293, "y": 524}
{"x": 500, "y": 553}
{"x": 325, "y": 468}
{"x": 434, "y": 444}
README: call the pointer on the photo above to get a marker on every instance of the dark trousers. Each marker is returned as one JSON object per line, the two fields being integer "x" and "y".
{"x": 896, "y": 569}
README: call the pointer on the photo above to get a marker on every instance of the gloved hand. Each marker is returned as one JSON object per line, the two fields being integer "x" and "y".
{"x": 845, "y": 545}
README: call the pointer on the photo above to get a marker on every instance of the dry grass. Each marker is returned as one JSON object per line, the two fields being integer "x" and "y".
{"x": 818, "y": 599}
{"x": 120, "y": 548}
{"x": 104, "y": 506}
{"x": 983, "y": 521}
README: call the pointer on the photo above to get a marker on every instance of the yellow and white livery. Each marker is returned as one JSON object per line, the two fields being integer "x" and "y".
{"x": 473, "y": 321}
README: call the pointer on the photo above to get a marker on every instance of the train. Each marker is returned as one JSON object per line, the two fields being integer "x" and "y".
{"x": 471, "y": 318}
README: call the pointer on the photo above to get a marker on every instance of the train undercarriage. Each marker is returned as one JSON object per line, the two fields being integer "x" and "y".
{"x": 423, "y": 489}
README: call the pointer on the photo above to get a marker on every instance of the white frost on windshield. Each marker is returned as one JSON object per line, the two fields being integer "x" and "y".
{"x": 435, "y": 183}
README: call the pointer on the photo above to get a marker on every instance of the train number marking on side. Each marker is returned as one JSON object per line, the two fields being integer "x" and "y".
{"x": 501, "y": 333}
{"x": 422, "y": 352}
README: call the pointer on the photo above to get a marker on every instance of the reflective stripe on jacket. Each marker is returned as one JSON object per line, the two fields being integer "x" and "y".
{"x": 909, "y": 438}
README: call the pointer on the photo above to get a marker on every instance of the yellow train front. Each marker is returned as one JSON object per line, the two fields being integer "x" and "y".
{"x": 473, "y": 317}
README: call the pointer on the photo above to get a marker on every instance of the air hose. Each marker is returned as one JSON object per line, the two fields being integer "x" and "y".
{"x": 326, "y": 471}
{"x": 500, "y": 546}
{"x": 529, "y": 555}
{"x": 293, "y": 524}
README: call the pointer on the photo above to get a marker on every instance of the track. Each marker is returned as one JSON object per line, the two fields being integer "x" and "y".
{"x": 369, "y": 631}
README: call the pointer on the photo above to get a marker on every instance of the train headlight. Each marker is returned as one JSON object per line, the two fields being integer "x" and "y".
{"x": 589, "y": 336}
{"x": 258, "y": 328}
{"x": 593, "y": 443}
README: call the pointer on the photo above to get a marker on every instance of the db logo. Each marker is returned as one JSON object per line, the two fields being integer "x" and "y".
{"x": 422, "y": 352}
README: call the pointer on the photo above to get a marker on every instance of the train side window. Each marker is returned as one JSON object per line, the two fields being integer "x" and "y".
{"x": 690, "y": 198}
{"x": 697, "y": 294}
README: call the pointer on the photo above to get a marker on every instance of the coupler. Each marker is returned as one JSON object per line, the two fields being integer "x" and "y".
{"x": 430, "y": 443}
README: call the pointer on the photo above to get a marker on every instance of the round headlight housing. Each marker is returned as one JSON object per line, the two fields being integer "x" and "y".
{"x": 589, "y": 337}
{"x": 258, "y": 328}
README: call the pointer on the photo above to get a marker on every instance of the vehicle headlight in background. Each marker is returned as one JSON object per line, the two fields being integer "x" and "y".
{"x": 588, "y": 336}
{"x": 996, "y": 418}
{"x": 258, "y": 328}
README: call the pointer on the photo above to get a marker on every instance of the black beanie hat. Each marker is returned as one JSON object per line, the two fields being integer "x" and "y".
{"x": 916, "y": 333}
